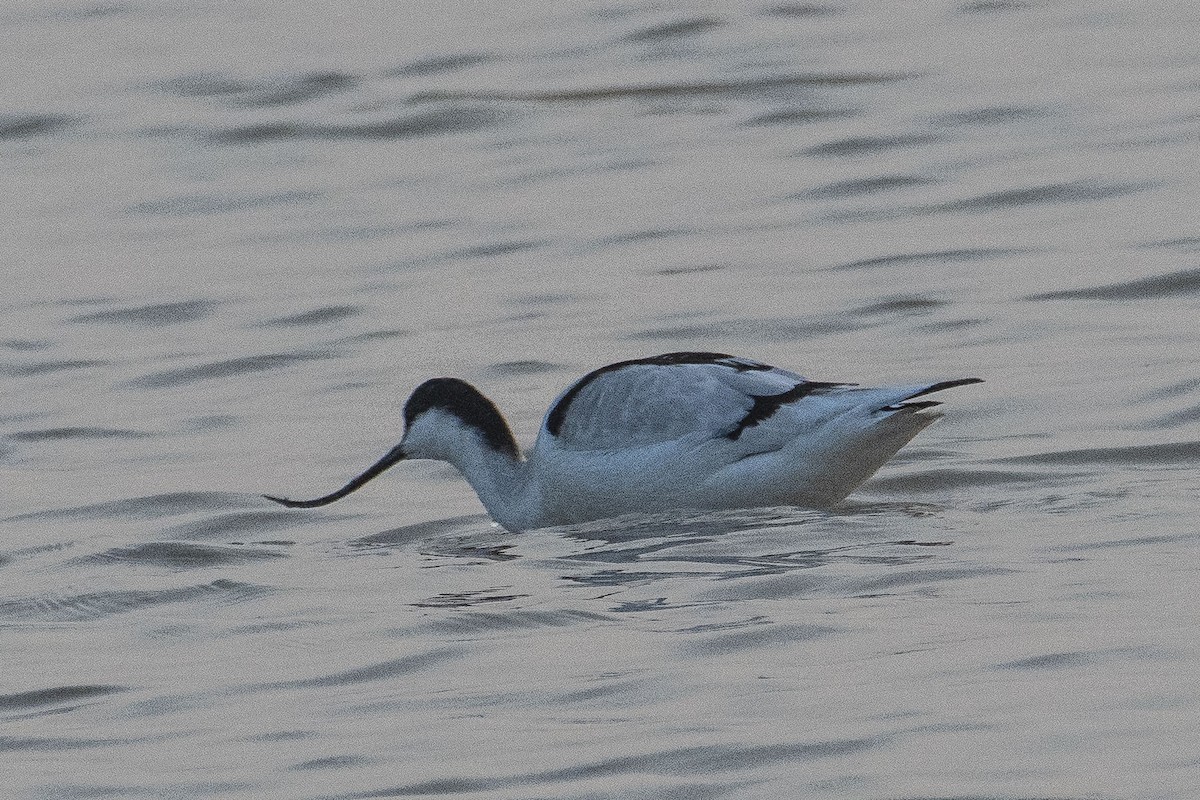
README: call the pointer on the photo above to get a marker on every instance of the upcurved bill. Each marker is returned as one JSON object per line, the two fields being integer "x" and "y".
{"x": 393, "y": 456}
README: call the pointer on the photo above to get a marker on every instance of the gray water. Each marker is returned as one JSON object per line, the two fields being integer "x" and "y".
{"x": 237, "y": 235}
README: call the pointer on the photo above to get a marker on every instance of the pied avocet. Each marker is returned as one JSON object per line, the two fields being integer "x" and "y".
{"x": 680, "y": 430}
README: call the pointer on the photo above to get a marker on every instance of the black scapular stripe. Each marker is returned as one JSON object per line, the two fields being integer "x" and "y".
{"x": 766, "y": 405}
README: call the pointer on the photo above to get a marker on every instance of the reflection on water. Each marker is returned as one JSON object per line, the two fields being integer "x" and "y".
{"x": 238, "y": 238}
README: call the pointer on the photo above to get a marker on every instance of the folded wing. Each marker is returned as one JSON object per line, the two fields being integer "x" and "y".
{"x": 673, "y": 396}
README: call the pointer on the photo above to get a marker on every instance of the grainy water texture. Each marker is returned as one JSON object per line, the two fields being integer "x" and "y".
{"x": 236, "y": 236}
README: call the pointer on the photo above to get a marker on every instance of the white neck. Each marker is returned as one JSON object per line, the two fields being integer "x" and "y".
{"x": 502, "y": 483}
{"x": 500, "y": 477}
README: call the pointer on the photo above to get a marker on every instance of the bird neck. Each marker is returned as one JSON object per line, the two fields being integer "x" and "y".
{"x": 503, "y": 482}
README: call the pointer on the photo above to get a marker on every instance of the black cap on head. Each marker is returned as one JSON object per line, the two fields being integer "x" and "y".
{"x": 464, "y": 401}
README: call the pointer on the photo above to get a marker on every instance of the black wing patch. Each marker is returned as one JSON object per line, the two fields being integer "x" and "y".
{"x": 943, "y": 385}
{"x": 934, "y": 387}
{"x": 558, "y": 414}
{"x": 765, "y": 406}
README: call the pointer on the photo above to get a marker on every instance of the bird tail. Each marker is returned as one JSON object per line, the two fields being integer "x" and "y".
{"x": 877, "y": 424}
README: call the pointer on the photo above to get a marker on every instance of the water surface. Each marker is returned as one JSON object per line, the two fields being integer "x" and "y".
{"x": 237, "y": 237}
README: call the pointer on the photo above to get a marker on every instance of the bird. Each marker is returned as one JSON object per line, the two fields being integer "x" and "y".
{"x": 687, "y": 430}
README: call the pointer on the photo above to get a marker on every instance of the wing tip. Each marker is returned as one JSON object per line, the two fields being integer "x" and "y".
{"x": 941, "y": 386}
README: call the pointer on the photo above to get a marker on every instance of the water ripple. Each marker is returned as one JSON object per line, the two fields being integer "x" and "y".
{"x": 1072, "y": 192}
{"x": 1174, "y": 419}
{"x": 468, "y": 599}
{"x": 909, "y": 579}
{"x": 498, "y": 248}
{"x": 1169, "y": 453}
{"x": 182, "y": 555}
{"x": 399, "y": 537}
{"x": 148, "y": 507}
{"x": 868, "y": 145}
{"x": 993, "y": 115}
{"x": 54, "y": 696}
{"x": 683, "y": 761}
{"x": 993, "y": 6}
{"x": 504, "y": 622}
{"x": 1184, "y": 282}
{"x": 69, "y": 433}
{"x": 671, "y": 31}
{"x": 223, "y": 369}
{"x": 47, "y": 367}
{"x": 24, "y": 344}
{"x": 1180, "y": 389}
{"x": 755, "y": 330}
{"x": 154, "y": 315}
{"x": 859, "y": 186}
{"x": 53, "y": 744}
{"x": 24, "y": 126}
{"x": 940, "y": 479}
{"x": 280, "y": 91}
{"x": 1187, "y": 244}
{"x": 332, "y": 762}
{"x": 521, "y": 368}
{"x": 905, "y": 306}
{"x": 396, "y": 668}
{"x": 96, "y": 605}
{"x": 935, "y": 256}
{"x": 221, "y": 204}
{"x": 317, "y": 316}
{"x": 1074, "y": 658}
{"x": 799, "y": 116}
{"x": 431, "y": 123}
{"x": 677, "y": 89}
{"x": 434, "y": 65}
{"x": 240, "y": 523}
{"x": 756, "y": 638}
{"x": 805, "y": 10}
